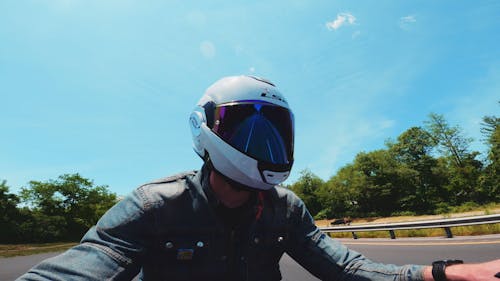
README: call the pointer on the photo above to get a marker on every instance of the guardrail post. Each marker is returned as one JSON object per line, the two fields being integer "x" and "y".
{"x": 448, "y": 232}
{"x": 354, "y": 235}
{"x": 393, "y": 235}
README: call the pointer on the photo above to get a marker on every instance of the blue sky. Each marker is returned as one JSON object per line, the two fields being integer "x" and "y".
{"x": 105, "y": 88}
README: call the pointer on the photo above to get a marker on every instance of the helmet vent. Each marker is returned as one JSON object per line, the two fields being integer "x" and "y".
{"x": 273, "y": 96}
{"x": 263, "y": 80}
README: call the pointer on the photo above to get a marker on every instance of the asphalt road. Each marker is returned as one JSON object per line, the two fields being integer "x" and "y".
{"x": 400, "y": 251}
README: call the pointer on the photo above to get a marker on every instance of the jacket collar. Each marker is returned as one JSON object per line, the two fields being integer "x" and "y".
{"x": 201, "y": 181}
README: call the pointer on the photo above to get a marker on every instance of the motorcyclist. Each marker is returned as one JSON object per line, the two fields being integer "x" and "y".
{"x": 230, "y": 220}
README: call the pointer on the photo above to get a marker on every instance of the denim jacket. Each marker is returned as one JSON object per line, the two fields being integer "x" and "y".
{"x": 169, "y": 230}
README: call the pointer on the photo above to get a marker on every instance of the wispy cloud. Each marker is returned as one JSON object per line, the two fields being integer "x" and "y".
{"x": 405, "y": 22}
{"x": 207, "y": 49}
{"x": 468, "y": 110}
{"x": 345, "y": 141}
{"x": 386, "y": 124}
{"x": 342, "y": 19}
{"x": 357, "y": 119}
{"x": 409, "y": 19}
{"x": 196, "y": 18}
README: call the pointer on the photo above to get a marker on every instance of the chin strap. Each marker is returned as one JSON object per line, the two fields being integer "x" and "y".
{"x": 260, "y": 205}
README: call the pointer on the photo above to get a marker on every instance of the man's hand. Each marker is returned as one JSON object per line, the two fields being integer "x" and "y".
{"x": 468, "y": 272}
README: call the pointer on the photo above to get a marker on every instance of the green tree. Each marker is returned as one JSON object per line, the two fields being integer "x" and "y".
{"x": 306, "y": 187}
{"x": 9, "y": 214}
{"x": 490, "y": 128}
{"x": 449, "y": 139}
{"x": 371, "y": 186}
{"x": 381, "y": 185}
{"x": 341, "y": 193}
{"x": 422, "y": 181}
{"x": 70, "y": 205}
{"x": 490, "y": 180}
{"x": 413, "y": 146}
{"x": 463, "y": 169}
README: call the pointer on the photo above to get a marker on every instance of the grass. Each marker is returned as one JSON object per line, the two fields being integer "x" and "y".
{"x": 482, "y": 229}
{"x": 12, "y": 250}
{"x": 472, "y": 230}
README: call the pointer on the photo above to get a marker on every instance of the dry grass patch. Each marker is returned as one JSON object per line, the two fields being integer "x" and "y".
{"x": 483, "y": 229}
{"x": 378, "y": 220}
{"x": 12, "y": 250}
{"x": 471, "y": 230}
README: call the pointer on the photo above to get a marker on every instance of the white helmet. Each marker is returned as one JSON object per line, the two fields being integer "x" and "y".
{"x": 244, "y": 126}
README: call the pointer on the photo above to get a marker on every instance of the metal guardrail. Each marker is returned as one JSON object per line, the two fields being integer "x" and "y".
{"x": 446, "y": 224}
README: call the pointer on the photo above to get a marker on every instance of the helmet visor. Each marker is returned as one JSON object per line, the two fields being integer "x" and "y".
{"x": 261, "y": 130}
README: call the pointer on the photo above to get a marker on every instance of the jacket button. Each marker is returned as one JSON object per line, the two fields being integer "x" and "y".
{"x": 280, "y": 239}
{"x": 169, "y": 245}
{"x": 256, "y": 240}
{"x": 200, "y": 244}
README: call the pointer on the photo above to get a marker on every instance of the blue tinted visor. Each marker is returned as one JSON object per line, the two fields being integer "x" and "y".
{"x": 261, "y": 130}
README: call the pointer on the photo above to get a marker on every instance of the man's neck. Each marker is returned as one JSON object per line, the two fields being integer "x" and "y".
{"x": 227, "y": 195}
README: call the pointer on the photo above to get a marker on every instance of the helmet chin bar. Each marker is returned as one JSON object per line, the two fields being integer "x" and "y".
{"x": 275, "y": 178}
{"x": 236, "y": 165}
{"x": 275, "y": 173}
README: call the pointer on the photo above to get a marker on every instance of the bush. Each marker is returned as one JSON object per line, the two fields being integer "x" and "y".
{"x": 442, "y": 208}
{"x": 465, "y": 207}
{"x": 321, "y": 215}
{"x": 403, "y": 213}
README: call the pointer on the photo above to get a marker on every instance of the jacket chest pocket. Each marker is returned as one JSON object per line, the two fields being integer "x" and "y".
{"x": 183, "y": 257}
{"x": 186, "y": 250}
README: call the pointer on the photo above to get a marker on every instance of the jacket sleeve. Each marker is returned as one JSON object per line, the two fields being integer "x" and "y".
{"x": 328, "y": 259}
{"x": 111, "y": 250}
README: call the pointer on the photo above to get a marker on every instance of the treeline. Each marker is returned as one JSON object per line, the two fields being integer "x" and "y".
{"x": 427, "y": 170}
{"x": 55, "y": 210}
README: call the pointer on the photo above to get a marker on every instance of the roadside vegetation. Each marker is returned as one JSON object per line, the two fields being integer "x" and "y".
{"x": 483, "y": 229}
{"x": 429, "y": 170}
{"x": 12, "y": 250}
{"x": 52, "y": 211}
{"x": 472, "y": 230}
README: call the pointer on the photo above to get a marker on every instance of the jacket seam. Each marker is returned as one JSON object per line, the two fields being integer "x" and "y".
{"x": 145, "y": 202}
{"x": 110, "y": 252}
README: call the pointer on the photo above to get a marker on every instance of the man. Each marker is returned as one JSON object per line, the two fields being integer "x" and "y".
{"x": 228, "y": 221}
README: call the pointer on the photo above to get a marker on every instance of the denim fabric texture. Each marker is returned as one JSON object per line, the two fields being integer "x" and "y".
{"x": 169, "y": 230}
